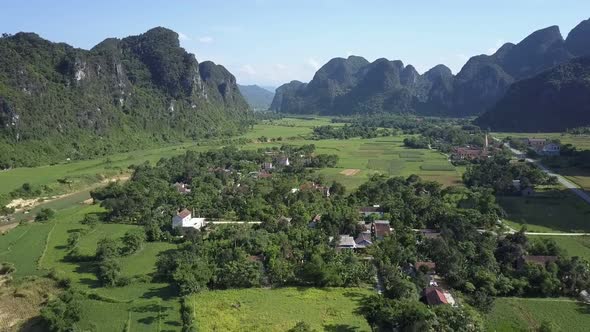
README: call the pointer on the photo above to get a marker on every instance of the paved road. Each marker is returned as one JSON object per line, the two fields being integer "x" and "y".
{"x": 566, "y": 183}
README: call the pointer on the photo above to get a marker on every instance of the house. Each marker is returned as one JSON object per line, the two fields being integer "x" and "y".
{"x": 535, "y": 143}
{"x": 363, "y": 240}
{"x": 437, "y": 296}
{"x": 315, "y": 221}
{"x": 371, "y": 210}
{"x": 538, "y": 260}
{"x": 284, "y": 161}
{"x": 551, "y": 149}
{"x": 325, "y": 190}
{"x": 468, "y": 153}
{"x": 345, "y": 242}
{"x": 380, "y": 229}
{"x": 267, "y": 165}
{"x": 184, "y": 219}
{"x": 181, "y": 188}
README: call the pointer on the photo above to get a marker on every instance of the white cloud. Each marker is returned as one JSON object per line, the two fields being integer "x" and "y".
{"x": 183, "y": 36}
{"x": 206, "y": 39}
{"x": 248, "y": 69}
{"x": 313, "y": 63}
{"x": 280, "y": 66}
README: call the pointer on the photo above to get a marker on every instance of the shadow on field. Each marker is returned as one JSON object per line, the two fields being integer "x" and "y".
{"x": 340, "y": 328}
{"x": 583, "y": 308}
{"x": 558, "y": 210}
{"x": 164, "y": 293}
{"x": 33, "y": 324}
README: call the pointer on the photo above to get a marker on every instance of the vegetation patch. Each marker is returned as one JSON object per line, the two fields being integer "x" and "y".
{"x": 330, "y": 309}
{"x": 526, "y": 314}
{"x": 437, "y": 167}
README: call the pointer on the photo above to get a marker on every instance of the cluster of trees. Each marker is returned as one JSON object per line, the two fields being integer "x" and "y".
{"x": 402, "y": 314}
{"x": 222, "y": 186}
{"x": 498, "y": 173}
{"x": 348, "y": 131}
{"x": 570, "y": 157}
{"x": 275, "y": 254}
{"x": 108, "y": 252}
{"x": 417, "y": 142}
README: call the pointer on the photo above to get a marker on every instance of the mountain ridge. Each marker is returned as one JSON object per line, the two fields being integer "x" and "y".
{"x": 356, "y": 86}
{"x": 58, "y": 101}
{"x": 258, "y": 98}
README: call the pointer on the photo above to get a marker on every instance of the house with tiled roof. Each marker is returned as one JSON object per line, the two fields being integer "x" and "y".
{"x": 436, "y": 296}
{"x": 184, "y": 219}
{"x": 380, "y": 229}
{"x": 363, "y": 240}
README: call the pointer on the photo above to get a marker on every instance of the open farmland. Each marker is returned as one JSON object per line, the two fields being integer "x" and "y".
{"x": 527, "y": 314}
{"x": 548, "y": 211}
{"x": 279, "y": 309}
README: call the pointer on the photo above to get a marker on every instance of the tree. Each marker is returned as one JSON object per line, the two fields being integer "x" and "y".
{"x": 458, "y": 319}
{"x": 107, "y": 248}
{"x": 62, "y": 313}
{"x": 133, "y": 241}
{"x": 109, "y": 272}
{"x": 193, "y": 277}
{"x": 45, "y": 214}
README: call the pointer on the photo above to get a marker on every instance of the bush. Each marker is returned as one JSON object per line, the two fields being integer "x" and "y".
{"x": 7, "y": 268}
{"x": 45, "y": 215}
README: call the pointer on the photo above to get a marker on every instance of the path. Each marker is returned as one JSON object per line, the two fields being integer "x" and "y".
{"x": 566, "y": 183}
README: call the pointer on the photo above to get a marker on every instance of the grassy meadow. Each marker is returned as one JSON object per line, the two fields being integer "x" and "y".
{"x": 527, "y": 314}
{"x": 143, "y": 305}
{"x": 573, "y": 245}
{"x": 279, "y": 309}
{"x": 384, "y": 155}
{"x": 547, "y": 211}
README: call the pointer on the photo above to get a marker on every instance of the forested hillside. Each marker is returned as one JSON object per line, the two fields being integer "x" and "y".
{"x": 59, "y": 102}
{"x": 257, "y": 97}
{"x": 553, "y": 101}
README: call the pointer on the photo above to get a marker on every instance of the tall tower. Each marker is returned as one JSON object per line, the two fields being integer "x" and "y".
{"x": 486, "y": 142}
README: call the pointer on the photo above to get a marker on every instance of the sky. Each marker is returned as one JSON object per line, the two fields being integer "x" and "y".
{"x": 271, "y": 42}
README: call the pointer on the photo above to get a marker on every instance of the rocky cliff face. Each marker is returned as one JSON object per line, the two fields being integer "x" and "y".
{"x": 120, "y": 94}
{"x": 345, "y": 86}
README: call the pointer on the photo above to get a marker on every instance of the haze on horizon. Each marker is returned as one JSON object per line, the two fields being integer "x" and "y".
{"x": 269, "y": 42}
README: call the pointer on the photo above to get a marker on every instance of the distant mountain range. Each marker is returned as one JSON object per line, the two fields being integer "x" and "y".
{"x": 258, "y": 98}
{"x": 554, "y": 100}
{"x": 356, "y": 86}
{"x": 59, "y": 102}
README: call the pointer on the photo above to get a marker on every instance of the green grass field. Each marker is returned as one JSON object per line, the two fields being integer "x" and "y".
{"x": 522, "y": 314}
{"x": 573, "y": 245}
{"x": 279, "y": 309}
{"x": 24, "y": 246}
{"x": 553, "y": 211}
{"x": 353, "y": 153}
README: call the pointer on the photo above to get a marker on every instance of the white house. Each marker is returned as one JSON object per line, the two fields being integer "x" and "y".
{"x": 550, "y": 149}
{"x": 184, "y": 219}
{"x": 284, "y": 161}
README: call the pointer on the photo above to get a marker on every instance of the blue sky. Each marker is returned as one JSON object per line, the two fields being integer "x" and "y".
{"x": 270, "y": 42}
